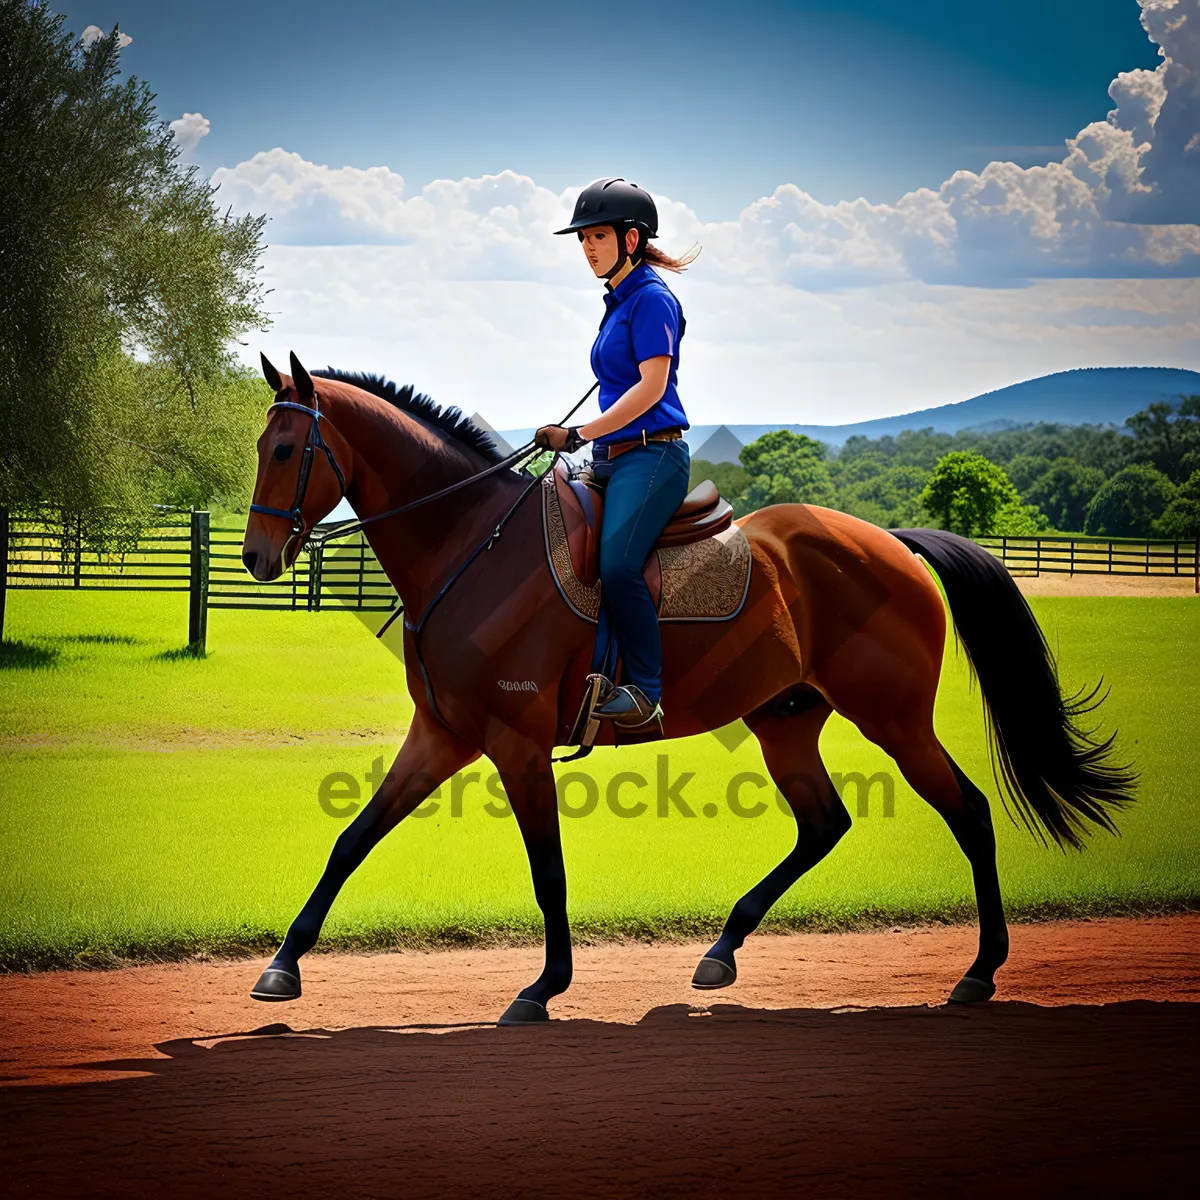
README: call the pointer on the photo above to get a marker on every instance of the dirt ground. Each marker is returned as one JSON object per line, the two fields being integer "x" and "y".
{"x": 1107, "y": 585}
{"x": 832, "y": 1067}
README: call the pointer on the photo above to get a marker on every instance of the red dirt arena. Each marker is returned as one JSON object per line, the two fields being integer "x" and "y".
{"x": 832, "y": 1068}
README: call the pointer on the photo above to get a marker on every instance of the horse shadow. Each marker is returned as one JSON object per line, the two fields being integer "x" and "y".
{"x": 686, "y": 1100}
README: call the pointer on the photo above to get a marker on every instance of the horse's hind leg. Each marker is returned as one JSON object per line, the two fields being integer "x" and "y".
{"x": 939, "y": 780}
{"x": 789, "y": 735}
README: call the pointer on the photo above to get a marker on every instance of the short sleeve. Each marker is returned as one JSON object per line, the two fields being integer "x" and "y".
{"x": 655, "y": 325}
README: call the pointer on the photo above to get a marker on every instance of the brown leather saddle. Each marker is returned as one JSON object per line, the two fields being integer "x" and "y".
{"x": 702, "y": 513}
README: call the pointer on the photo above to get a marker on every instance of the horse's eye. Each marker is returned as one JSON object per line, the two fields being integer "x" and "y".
{"x": 283, "y": 453}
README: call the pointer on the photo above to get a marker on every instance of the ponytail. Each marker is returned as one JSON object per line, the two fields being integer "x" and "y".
{"x": 655, "y": 257}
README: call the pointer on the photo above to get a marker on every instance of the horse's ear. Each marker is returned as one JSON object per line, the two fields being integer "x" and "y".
{"x": 300, "y": 377}
{"x": 271, "y": 375}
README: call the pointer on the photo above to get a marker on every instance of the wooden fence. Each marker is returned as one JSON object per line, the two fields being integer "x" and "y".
{"x": 1096, "y": 556}
{"x": 183, "y": 552}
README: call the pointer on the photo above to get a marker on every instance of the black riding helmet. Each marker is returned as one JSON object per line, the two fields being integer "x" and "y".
{"x": 618, "y": 203}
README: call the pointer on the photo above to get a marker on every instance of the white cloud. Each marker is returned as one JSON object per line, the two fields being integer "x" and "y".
{"x": 1124, "y": 201}
{"x": 1170, "y": 111}
{"x": 93, "y": 33}
{"x": 189, "y": 129}
{"x": 517, "y": 351}
{"x": 797, "y": 311}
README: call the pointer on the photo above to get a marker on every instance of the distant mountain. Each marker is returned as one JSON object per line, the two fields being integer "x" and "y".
{"x": 1092, "y": 396}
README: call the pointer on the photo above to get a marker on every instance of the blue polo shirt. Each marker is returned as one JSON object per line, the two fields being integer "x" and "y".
{"x": 642, "y": 320}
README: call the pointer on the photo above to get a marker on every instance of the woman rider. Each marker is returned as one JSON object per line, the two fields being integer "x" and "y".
{"x": 639, "y": 455}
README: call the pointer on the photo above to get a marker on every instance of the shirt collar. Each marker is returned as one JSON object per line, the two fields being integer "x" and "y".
{"x": 638, "y": 277}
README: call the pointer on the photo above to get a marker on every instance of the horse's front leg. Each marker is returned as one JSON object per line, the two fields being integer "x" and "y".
{"x": 429, "y": 756}
{"x": 528, "y": 781}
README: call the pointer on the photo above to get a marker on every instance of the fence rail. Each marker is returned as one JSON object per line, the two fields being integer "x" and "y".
{"x": 184, "y": 553}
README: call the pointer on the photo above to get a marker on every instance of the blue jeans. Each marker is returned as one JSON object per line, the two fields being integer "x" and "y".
{"x": 644, "y": 487}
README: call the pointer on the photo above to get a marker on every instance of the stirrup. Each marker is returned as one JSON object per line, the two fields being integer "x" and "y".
{"x": 653, "y": 714}
{"x": 587, "y": 726}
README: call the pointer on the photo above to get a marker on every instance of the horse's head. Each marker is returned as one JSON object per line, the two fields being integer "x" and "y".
{"x": 301, "y": 465}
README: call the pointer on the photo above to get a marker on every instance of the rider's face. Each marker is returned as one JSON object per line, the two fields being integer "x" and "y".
{"x": 600, "y": 247}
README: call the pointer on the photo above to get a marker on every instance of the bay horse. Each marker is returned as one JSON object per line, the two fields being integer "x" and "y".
{"x": 840, "y": 616}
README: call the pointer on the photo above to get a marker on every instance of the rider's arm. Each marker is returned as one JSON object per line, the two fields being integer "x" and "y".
{"x": 644, "y": 394}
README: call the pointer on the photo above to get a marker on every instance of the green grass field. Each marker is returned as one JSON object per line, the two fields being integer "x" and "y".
{"x": 157, "y": 806}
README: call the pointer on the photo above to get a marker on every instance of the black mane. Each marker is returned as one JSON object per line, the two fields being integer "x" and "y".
{"x": 449, "y": 420}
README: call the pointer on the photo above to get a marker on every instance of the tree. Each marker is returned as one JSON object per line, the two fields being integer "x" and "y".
{"x": 1181, "y": 518}
{"x": 1165, "y": 435}
{"x": 784, "y": 468}
{"x": 730, "y": 479}
{"x": 1130, "y": 502}
{"x": 1023, "y": 469}
{"x": 966, "y": 492}
{"x": 1063, "y": 492}
{"x": 875, "y": 491}
{"x": 1015, "y": 519}
{"x": 111, "y": 251}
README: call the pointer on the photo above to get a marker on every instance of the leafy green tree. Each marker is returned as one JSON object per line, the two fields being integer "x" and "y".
{"x": 730, "y": 479}
{"x": 1063, "y": 492}
{"x": 966, "y": 492}
{"x": 111, "y": 250}
{"x": 888, "y": 496}
{"x": 1181, "y": 518}
{"x": 1129, "y": 504}
{"x": 784, "y": 468}
{"x": 1165, "y": 435}
{"x": 1015, "y": 519}
{"x": 1023, "y": 469}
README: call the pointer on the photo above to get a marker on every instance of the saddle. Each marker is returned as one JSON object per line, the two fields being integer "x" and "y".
{"x": 702, "y": 514}
{"x": 699, "y": 569}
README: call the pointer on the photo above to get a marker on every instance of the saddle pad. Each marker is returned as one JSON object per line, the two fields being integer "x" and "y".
{"x": 700, "y": 581}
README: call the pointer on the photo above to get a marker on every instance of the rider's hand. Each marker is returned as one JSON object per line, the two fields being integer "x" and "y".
{"x": 555, "y": 437}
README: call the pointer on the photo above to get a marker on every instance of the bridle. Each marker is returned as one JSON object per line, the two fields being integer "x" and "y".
{"x": 317, "y": 442}
{"x": 314, "y": 442}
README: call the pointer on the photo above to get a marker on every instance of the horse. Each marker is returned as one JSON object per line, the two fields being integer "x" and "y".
{"x": 840, "y": 616}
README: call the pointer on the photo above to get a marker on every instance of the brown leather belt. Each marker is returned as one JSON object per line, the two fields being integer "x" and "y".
{"x": 612, "y": 449}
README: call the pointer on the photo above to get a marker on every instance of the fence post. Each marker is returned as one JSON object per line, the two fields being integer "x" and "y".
{"x": 78, "y": 548}
{"x": 198, "y": 583}
{"x": 1196, "y": 564}
{"x": 316, "y": 560}
{"x": 3, "y": 566}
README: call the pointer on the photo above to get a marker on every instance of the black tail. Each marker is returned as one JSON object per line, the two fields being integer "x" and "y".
{"x": 1057, "y": 774}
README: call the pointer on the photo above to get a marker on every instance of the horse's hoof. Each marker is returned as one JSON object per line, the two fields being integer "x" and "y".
{"x": 524, "y": 1012}
{"x": 275, "y": 984}
{"x": 972, "y": 991}
{"x": 712, "y": 973}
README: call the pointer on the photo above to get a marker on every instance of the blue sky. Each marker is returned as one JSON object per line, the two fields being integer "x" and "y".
{"x": 899, "y": 204}
{"x": 716, "y": 102}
